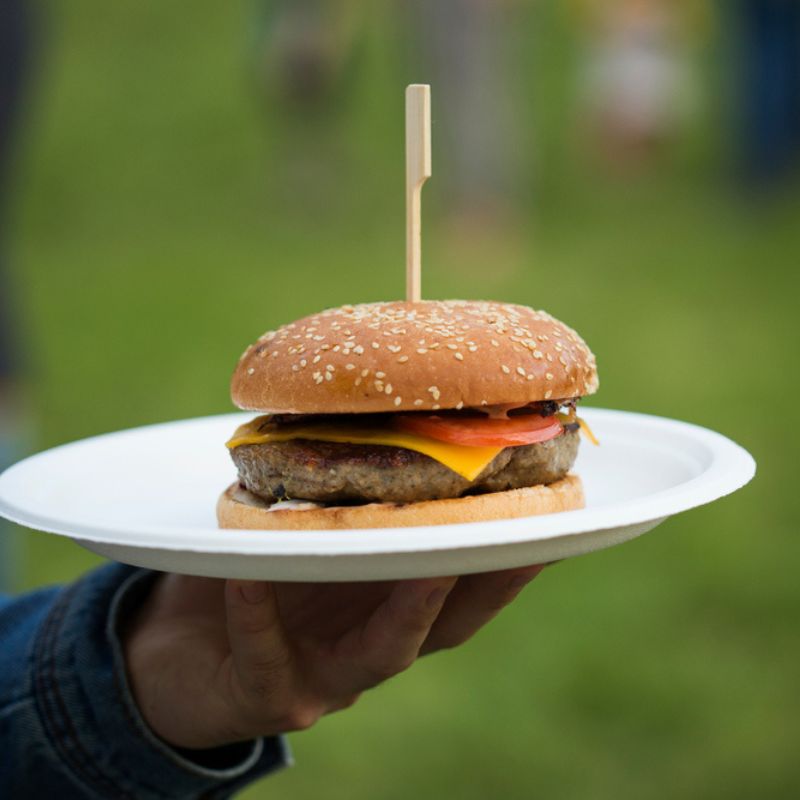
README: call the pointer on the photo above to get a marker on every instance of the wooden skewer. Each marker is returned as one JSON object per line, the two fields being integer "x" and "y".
{"x": 418, "y": 170}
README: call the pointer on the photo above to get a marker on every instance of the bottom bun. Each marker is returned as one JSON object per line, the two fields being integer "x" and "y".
{"x": 238, "y": 508}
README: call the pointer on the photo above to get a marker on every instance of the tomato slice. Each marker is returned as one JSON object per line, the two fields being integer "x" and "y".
{"x": 482, "y": 431}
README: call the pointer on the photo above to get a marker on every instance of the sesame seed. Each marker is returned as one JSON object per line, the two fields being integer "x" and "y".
{"x": 375, "y": 345}
{"x": 358, "y": 381}
{"x": 328, "y": 376}
{"x": 364, "y": 373}
{"x": 398, "y": 400}
{"x": 529, "y": 377}
{"x": 379, "y": 385}
{"x": 548, "y": 394}
{"x": 549, "y": 376}
{"x": 452, "y": 346}
{"x": 402, "y": 359}
{"x": 388, "y": 388}
{"x": 274, "y": 353}
{"x": 549, "y": 356}
{"x": 394, "y": 348}
{"x": 460, "y": 405}
{"x": 329, "y": 368}
{"x": 537, "y": 354}
{"x": 435, "y": 406}
{"x": 459, "y": 356}
{"x": 380, "y": 374}
{"x": 358, "y": 349}
{"x": 250, "y": 371}
{"x": 421, "y": 351}
{"x": 505, "y": 369}
{"x": 349, "y": 366}
{"x": 418, "y": 402}
{"x": 520, "y": 371}
{"x": 295, "y": 368}
{"x": 495, "y": 343}
{"x": 484, "y": 402}
{"x": 472, "y": 348}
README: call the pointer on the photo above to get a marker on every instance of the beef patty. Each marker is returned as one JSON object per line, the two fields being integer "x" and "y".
{"x": 336, "y": 472}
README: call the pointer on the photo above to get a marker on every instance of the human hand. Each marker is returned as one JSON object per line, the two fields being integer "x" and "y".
{"x": 213, "y": 662}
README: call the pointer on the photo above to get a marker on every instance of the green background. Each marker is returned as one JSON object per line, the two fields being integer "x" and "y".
{"x": 164, "y": 218}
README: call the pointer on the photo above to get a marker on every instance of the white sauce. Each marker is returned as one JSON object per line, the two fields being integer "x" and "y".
{"x": 294, "y": 505}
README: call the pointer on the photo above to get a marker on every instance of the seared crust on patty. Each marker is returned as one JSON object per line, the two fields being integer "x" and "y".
{"x": 334, "y": 472}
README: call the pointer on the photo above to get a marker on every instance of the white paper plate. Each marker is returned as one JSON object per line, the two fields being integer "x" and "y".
{"x": 147, "y": 496}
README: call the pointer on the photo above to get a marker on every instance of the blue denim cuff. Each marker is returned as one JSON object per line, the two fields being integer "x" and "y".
{"x": 91, "y": 720}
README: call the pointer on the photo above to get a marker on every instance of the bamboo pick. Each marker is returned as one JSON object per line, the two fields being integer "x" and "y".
{"x": 418, "y": 170}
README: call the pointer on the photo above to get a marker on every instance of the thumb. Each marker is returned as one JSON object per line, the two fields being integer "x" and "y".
{"x": 261, "y": 653}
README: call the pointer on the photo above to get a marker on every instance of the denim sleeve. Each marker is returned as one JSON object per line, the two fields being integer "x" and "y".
{"x": 69, "y": 727}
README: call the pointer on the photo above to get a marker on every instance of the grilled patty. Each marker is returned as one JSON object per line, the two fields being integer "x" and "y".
{"x": 337, "y": 472}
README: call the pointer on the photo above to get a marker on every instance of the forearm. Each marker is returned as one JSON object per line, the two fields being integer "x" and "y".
{"x": 68, "y": 724}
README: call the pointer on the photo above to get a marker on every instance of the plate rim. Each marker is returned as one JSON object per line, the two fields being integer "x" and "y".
{"x": 731, "y": 467}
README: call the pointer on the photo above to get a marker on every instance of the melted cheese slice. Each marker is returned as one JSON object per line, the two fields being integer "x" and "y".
{"x": 587, "y": 432}
{"x": 468, "y": 462}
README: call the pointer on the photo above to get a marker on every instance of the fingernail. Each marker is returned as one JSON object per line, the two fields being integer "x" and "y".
{"x": 253, "y": 591}
{"x": 436, "y": 597}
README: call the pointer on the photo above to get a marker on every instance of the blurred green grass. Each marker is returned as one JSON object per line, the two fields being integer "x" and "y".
{"x": 160, "y": 228}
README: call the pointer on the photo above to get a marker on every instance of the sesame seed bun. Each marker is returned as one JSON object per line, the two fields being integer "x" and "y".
{"x": 238, "y": 508}
{"x": 425, "y": 356}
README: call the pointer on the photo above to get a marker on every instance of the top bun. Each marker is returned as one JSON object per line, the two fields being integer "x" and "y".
{"x": 424, "y": 356}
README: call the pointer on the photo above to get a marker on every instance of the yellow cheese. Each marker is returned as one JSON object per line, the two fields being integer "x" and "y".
{"x": 468, "y": 462}
{"x": 587, "y": 431}
{"x": 571, "y": 418}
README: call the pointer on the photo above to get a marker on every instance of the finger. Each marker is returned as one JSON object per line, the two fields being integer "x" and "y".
{"x": 343, "y": 703}
{"x": 475, "y": 600}
{"x": 190, "y": 595}
{"x": 389, "y": 641}
{"x": 261, "y": 653}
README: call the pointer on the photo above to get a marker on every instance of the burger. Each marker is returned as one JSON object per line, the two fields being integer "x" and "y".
{"x": 396, "y": 414}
